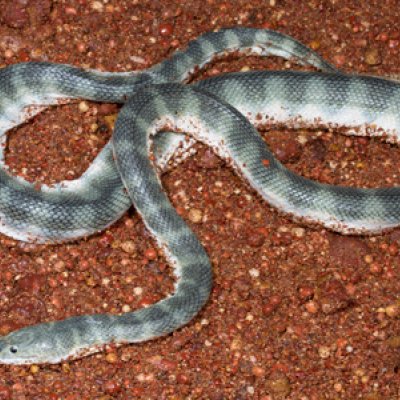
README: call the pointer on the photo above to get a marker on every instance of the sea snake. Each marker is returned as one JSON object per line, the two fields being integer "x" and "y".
{"x": 215, "y": 111}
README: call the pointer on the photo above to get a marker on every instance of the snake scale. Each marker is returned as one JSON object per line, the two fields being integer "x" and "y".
{"x": 218, "y": 111}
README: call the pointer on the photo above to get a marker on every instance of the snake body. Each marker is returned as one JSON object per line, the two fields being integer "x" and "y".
{"x": 87, "y": 205}
{"x": 212, "y": 111}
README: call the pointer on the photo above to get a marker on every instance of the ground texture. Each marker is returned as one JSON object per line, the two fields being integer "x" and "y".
{"x": 296, "y": 312}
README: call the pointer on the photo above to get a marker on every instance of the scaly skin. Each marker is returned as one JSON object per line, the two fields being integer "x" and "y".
{"x": 212, "y": 111}
{"x": 79, "y": 208}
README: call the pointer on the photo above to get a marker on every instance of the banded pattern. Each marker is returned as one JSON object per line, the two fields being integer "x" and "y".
{"x": 73, "y": 209}
{"x": 212, "y": 111}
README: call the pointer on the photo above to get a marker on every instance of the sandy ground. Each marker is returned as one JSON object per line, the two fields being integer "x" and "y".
{"x": 296, "y": 312}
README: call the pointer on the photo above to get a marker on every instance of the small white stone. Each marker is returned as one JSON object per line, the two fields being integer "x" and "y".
{"x": 138, "y": 291}
{"x": 97, "y": 6}
{"x": 298, "y": 232}
{"x": 249, "y": 317}
{"x": 349, "y": 349}
{"x": 255, "y": 273}
{"x": 195, "y": 215}
{"x": 324, "y": 352}
{"x": 302, "y": 139}
{"x": 126, "y": 308}
{"x": 250, "y": 389}
{"x": 83, "y": 106}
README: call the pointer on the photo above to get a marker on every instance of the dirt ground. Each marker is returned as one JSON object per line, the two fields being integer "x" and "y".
{"x": 296, "y": 312}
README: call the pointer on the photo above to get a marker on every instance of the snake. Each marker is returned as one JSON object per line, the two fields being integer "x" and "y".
{"x": 223, "y": 112}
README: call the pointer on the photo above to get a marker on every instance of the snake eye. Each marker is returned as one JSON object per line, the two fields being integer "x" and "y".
{"x": 13, "y": 349}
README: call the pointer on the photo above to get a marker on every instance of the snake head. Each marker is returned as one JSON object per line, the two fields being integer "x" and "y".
{"x": 26, "y": 346}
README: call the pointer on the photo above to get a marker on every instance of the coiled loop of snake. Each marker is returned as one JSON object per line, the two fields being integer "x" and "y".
{"x": 79, "y": 208}
{"x": 210, "y": 111}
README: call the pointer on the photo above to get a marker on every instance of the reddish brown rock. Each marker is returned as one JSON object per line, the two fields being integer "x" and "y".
{"x": 334, "y": 297}
{"x": 209, "y": 160}
{"x": 317, "y": 149}
{"x": 345, "y": 250}
{"x": 286, "y": 148}
{"x": 20, "y": 13}
{"x": 28, "y": 309}
{"x": 32, "y": 283}
{"x": 14, "y": 14}
{"x": 5, "y": 392}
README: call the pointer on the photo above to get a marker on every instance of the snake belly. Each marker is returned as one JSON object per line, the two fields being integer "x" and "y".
{"x": 212, "y": 111}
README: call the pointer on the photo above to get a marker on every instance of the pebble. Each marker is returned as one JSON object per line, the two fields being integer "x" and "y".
{"x": 195, "y": 215}
{"x": 162, "y": 363}
{"x": 368, "y": 259}
{"x": 32, "y": 283}
{"x": 393, "y": 342}
{"x": 315, "y": 44}
{"x": 254, "y": 273}
{"x": 375, "y": 269}
{"x": 129, "y": 246}
{"x": 349, "y": 349}
{"x": 165, "y": 29}
{"x": 334, "y": 297}
{"x": 279, "y": 386}
{"x": 209, "y": 160}
{"x": 236, "y": 344}
{"x": 306, "y": 292}
{"x": 372, "y": 396}
{"x": 312, "y": 307}
{"x": 250, "y": 390}
{"x": 150, "y": 254}
{"x": 83, "y": 106}
{"x": 361, "y": 42}
{"x": 137, "y": 291}
{"x": 59, "y": 266}
{"x": 393, "y": 249}
{"x": 324, "y": 352}
{"x": 8, "y": 53}
{"x": 258, "y": 371}
{"x": 372, "y": 56}
{"x": 97, "y": 6}
{"x": 317, "y": 149}
{"x": 5, "y": 392}
{"x": 288, "y": 150}
{"x": 110, "y": 121}
{"x": 255, "y": 239}
{"x": 34, "y": 369}
{"x": 393, "y": 310}
{"x": 339, "y": 59}
{"x": 81, "y": 47}
{"x": 348, "y": 251}
{"x": 112, "y": 387}
{"x": 182, "y": 379}
{"x": 269, "y": 307}
{"x": 70, "y": 11}
{"x": 338, "y": 387}
{"x": 111, "y": 358}
{"x": 299, "y": 232}
{"x": 94, "y": 128}
{"x": 126, "y": 308}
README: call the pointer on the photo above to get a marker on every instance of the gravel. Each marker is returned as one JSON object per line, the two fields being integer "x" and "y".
{"x": 296, "y": 312}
